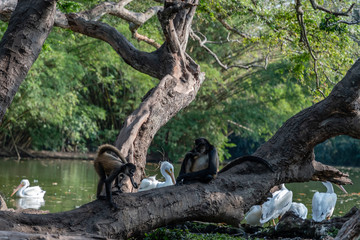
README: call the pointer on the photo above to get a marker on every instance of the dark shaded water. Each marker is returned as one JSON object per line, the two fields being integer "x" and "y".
{"x": 69, "y": 184}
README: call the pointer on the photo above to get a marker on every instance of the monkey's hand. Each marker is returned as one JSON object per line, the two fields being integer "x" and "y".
{"x": 179, "y": 182}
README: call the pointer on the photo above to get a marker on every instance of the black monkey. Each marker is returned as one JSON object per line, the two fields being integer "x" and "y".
{"x": 200, "y": 164}
{"x": 108, "y": 167}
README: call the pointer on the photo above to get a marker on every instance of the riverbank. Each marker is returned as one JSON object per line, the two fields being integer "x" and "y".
{"x": 28, "y": 153}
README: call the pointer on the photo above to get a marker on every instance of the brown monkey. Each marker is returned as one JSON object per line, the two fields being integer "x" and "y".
{"x": 108, "y": 167}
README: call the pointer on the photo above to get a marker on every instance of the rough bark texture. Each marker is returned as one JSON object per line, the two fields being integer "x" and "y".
{"x": 20, "y": 46}
{"x": 351, "y": 229}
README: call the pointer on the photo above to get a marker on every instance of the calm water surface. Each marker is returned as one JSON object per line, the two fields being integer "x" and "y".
{"x": 70, "y": 184}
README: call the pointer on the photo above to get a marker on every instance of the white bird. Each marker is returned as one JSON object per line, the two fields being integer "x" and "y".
{"x": 28, "y": 192}
{"x": 30, "y": 203}
{"x": 323, "y": 204}
{"x": 253, "y": 216}
{"x": 299, "y": 210}
{"x": 277, "y": 205}
{"x": 167, "y": 170}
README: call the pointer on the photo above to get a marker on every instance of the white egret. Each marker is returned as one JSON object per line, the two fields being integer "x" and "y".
{"x": 299, "y": 210}
{"x": 253, "y": 216}
{"x": 167, "y": 170}
{"x": 277, "y": 205}
{"x": 323, "y": 204}
{"x": 28, "y": 192}
{"x": 30, "y": 203}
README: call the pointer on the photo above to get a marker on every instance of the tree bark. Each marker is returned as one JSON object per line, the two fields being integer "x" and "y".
{"x": 20, "y": 46}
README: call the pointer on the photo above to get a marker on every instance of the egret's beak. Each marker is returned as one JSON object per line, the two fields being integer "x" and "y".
{"x": 342, "y": 188}
{"x": 17, "y": 189}
{"x": 171, "y": 175}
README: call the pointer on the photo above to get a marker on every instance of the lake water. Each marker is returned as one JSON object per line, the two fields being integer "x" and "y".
{"x": 70, "y": 184}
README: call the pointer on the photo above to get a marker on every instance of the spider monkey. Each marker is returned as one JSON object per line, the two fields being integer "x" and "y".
{"x": 108, "y": 167}
{"x": 242, "y": 159}
{"x": 200, "y": 164}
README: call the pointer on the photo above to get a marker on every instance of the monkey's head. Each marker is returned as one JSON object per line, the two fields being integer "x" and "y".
{"x": 130, "y": 169}
{"x": 202, "y": 145}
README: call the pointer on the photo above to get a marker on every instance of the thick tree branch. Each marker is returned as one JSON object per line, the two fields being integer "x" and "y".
{"x": 21, "y": 44}
{"x": 142, "y": 61}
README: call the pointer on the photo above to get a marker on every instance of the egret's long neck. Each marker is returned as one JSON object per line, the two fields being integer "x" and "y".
{"x": 21, "y": 191}
{"x": 167, "y": 178}
{"x": 329, "y": 187}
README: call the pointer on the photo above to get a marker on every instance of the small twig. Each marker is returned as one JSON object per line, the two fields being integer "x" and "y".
{"x": 344, "y": 22}
{"x": 133, "y": 28}
{"x": 321, "y": 8}
{"x": 224, "y": 66}
{"x": 13, "y": 140}
{"x": 240, "y": 126}
{"x": 232, "y": 29}
{"x": 304, "y": 38}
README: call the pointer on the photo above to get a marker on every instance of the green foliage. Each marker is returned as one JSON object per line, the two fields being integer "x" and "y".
{"x": 73, "y": 96}
{"x": 179, "y": 234}
{"x": 69, "y": 6}
{"x": 341, "y": 151}
{"x": 333, "y": 232}
{"x": 167, "y": 234}
{"x": 329, "y": 24}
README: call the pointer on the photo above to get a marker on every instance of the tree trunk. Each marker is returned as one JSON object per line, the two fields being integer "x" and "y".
{"x": 20, "y": 46}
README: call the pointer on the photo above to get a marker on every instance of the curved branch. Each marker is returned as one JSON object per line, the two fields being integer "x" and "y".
{"x": 232, "y": 29}
{"x": 142, "y": 61}
{"x": 305, "y": 40}
{"x": 321, "y": 8}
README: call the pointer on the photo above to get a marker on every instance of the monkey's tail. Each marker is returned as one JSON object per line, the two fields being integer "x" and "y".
{"x": 108, "y": 147}
{"x": 240, "y": 160}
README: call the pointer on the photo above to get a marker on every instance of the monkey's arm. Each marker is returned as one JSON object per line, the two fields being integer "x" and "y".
{"x": 211, "y": 170}
{"x": 240, "y": 160}
{"x": 183, "y": 165}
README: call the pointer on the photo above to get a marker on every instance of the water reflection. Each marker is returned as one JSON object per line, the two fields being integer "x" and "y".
{"x": 29, "y": 203}
{"x": 68, "y": 184}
